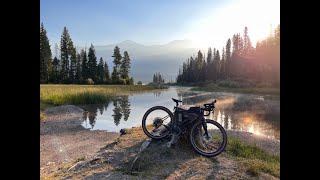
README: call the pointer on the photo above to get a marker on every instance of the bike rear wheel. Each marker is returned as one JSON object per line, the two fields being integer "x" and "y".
{"x": 214, "y": 144}
{"x": 156, "y": 121}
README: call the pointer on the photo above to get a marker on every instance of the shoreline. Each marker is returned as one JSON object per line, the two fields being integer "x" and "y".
{"x": 64, "y": 143}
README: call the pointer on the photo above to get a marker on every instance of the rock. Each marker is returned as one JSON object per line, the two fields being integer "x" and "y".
{"x": 123, "y": 131}
{"x": 50, "y": 163}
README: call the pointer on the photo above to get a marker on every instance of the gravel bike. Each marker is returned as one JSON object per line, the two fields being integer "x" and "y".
{"x": 207, "y": 137}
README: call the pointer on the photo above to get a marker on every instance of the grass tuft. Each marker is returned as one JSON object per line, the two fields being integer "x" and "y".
{"x": 254, "y": 158}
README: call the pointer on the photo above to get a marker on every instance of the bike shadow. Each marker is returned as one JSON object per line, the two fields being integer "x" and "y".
{"x": 178, "y": 161}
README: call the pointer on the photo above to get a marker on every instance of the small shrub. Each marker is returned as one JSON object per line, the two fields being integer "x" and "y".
{"x": 89, "y": 81}
{"x": 122, "y": 81}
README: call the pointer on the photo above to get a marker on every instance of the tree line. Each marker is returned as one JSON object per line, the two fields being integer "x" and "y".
{"x": 237, "y": 60}
{"x": 157, "y": 78}
{"x": 80, "y": 68}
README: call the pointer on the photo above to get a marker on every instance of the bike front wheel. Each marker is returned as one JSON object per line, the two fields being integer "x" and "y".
{"x": 156, "y": 122}
{"x": 211, "y": 145}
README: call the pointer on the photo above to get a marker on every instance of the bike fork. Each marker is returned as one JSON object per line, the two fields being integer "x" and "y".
{"x": 204, "y": 124}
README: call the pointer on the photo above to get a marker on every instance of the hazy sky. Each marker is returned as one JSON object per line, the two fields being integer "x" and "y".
{"x": 206, "y": 22}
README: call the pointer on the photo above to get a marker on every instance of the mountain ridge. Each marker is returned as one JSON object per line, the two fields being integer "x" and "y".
{"x": 146, "y": 60}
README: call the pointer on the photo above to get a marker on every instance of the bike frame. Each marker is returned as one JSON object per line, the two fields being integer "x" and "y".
{"x": 175, "y": 124}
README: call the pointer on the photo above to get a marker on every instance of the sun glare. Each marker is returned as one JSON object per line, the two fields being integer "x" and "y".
{"x": 260, "y": 16}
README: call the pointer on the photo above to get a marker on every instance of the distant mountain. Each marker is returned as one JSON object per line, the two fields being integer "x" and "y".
{"x": 147, "y": 60}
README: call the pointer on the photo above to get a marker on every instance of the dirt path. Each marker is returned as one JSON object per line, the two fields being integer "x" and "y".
{"x": 63, "y": 139}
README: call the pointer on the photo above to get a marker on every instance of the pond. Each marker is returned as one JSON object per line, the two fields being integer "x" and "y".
{"x": 258, "y": 114}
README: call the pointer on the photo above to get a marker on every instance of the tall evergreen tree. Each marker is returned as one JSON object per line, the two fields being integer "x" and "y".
{"x": 228, "y": 58}
{"x": 246, "y": 42}
{"x": 107, "y": 73}
{"x": 209, "y": 57}
{"x": 125, "y": 66}
{"x": 117, "y": 62}
{"x": 73, "y": 62}
{"x": 100, "y": 71}
{"x": 45, "y": 55}
{"x": 208, "y": 64}
{"x": 114, "y": 76}
{"x": 223, "y": 63}
{"x": 65, "y": 55}
{"x": 92, "y": 64}
{"x": 78, "y": 69}
{"x": 240, "y": 44}
{"x": 84, "y": 65}
{"x": 55, "y": 78}
{"x": 235, "y": 44}
{"x": 217, "y": 61}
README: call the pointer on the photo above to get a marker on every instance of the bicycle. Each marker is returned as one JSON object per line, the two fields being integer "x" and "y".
{"x": 207, "y": 137}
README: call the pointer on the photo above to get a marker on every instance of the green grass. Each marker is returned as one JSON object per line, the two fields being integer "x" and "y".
{"x": 254, "y": 158}
{"x": 85, "y": 94}
{"x": 55, "y": 95}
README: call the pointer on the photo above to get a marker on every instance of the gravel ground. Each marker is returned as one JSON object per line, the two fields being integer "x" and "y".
{"x": 63, "y": 139}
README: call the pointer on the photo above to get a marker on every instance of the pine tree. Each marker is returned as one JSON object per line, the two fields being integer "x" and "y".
{"x": 117, "y": 62}
{"x": 228, "y": 58}
{"x": 247, "y": 43}
{"x": 125, "y": 66}
{"x": 55, "y": 78}
{"x": 65, "y": 54}
{"x": 92, "y": 64}
{"x": 107, "y": 73}
{"x": 100, "y": 71}
{"x": 84, "y": 64}
{"x": 241, "y": 44}
{"x": 114, "y": 77}
{"x": 223, "y": 62}
{"x": 78, "y": 69}
{"x": 235, "y": 45}
{"x": 45, "y": 56}
{"x": 217, "y": 61}
{"x": 73, "y": 62}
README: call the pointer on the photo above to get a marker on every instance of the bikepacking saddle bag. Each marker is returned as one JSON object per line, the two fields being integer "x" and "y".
{"x": 189, "y": 112}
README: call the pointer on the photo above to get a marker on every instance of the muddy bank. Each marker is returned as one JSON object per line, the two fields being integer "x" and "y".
{"x": 63, "y": 139}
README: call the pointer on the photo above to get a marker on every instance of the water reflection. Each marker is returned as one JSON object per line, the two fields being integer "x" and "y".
{"x": 256, "y": 114}
{"x": 157, "y": 93}
{"x": 121, "y": 108}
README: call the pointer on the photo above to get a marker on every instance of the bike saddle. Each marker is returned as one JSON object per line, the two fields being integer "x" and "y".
{"x": 176, "y": 100}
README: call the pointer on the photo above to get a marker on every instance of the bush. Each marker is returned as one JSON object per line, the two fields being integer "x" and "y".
{"x": 122, "y": 81}
{"x": 89, "y": 81}
{"x": 139, "y": 83}
{"x": 130, "y": 81}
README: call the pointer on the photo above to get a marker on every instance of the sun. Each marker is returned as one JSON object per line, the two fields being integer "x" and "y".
{"x": 260, "y": 16}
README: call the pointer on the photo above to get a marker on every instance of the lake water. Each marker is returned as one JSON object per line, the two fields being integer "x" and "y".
{"x": 258, "y": 114}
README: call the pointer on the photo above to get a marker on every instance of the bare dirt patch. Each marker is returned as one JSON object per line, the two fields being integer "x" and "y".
{"x": 64, "y": 140}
